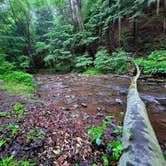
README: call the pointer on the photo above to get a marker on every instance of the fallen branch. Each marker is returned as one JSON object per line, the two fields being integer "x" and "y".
{"x": 140, "y": 145}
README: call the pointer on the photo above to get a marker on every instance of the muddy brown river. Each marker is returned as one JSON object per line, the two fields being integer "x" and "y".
{"x": 103, "y": 95}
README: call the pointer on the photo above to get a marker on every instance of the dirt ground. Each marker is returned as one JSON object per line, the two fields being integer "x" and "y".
{"x": 65, "y": 106}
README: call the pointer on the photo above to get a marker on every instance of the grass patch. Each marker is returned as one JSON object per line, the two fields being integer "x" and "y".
{"x": 17, "y": 89}
{"x": 92, "y": 71}
{"x": 18, "y": 83}
{"x": 9, "y": 161}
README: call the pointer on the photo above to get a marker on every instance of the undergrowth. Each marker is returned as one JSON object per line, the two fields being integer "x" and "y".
{"x": 18, "y": 82}
{"x": 155, "y": 63}
{"x": 9, "y": 161}
{"x": 112, "y": 148}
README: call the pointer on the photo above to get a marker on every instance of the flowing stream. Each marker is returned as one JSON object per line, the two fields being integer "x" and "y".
{"x": 103, "y": 95}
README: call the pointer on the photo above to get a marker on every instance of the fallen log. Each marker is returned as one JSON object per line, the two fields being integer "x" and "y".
{"x": 140, "y": 145}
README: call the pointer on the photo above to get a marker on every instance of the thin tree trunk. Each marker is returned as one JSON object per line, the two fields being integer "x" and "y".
{"x": 135, "y": 29}
{"x": 79, "y": 14}
{"x": 119, "y": 27}
{"x": 158, "y": 7}
{"x": 119, "y": 30}
{"x": 164, "y": 17}
{"x": 71, "y": 12}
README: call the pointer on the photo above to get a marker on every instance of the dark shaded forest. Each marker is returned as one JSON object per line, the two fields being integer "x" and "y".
{"x": 75, "y": 35}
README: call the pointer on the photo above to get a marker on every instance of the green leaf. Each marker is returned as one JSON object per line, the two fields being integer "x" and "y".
{"x": 98, "y": 141}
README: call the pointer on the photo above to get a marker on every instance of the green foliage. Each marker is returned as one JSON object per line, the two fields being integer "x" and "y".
{"x": 5, "y": 66}
{"x": 118, "y": 129}
{"x": 165, "y": 157}
{"x": 19, "y": 77}
{"x": 2, "y": 142}
{"x": 13, "y": 128}
{"x": 19, "y": 109}
{"x": 17, "y": 89}
{"x": 156, "y": 62}
{"x": 158, "y": 55}
{"x": 117, "y": 63}
{"x": 48, "y": 34}
{"x": 17, "y": 82}
{"x": 50, "y": 60}
{"x": 103, "y": 60}
{"x": 83, "y": 62}
{"x": 97, "y": 132}
{"x": 4, "y": 114}
{"x": 9, "y": 161}
{"x": 92, "y": 71}
{"x": 105, "y": 160}
{"x": 117, "y": 149}
{"x": 23, "y": 62}
{"x": 35, "y": 134}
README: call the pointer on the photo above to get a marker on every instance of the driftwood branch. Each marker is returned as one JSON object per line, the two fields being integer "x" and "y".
{"x": 140, "y": 145}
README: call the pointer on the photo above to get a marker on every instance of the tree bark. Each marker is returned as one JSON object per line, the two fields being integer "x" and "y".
{"x": 119, "y": 30}
{"x": 164, "y": 18}
{"x": 140, "y": 145}
{"x": 119, "y": 27}
{"x": 158, "y": 7}
{"x": 135, "y": 29}
{"x": 71, "y": 12}
{"x": 78, "y": 6}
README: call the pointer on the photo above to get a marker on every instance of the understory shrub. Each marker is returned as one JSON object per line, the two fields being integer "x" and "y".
{"x": 19, "y": 77}
{"x": 18, "y": 83}
{"x": 156, "y": 62}
{"x": 83, "y": 62}
{"x": 117, "y": 63}
{"x": 9, "y": 161}
{"x": 92, "y": 71}
{"x": 5, "y": 66}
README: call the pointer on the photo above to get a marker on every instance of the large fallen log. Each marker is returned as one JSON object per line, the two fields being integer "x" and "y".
{"x": 140, "y": 145}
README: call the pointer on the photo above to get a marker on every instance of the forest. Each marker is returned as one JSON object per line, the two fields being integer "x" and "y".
{"x": 67, "y": 71}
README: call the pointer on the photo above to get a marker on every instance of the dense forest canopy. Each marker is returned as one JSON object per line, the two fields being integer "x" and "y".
{"x": 73, "y": 35}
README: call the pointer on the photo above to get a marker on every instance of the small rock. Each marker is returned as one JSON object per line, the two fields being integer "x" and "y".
{"x": 118, "y": 102}
{"x": 162, "y": 101}
{"x": 67, "y": 109}
{"x": 85, "y": 116}
{"x": 75, "y": 106}
{"x": 84, "y": 105}
{"x": 100, "y": 114}
{"x": 36, "y": 144}
{"x": 99, "y": 109}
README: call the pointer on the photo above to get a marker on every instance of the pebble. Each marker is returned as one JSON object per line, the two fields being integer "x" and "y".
{"x": 84, "y": 105}
{"x": 85, "y": 116}
{"x": 75, "y": 106}
{"x": 118, "y": 102}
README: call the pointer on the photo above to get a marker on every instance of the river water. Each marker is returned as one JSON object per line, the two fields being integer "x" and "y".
{"x": 103, "y": 95}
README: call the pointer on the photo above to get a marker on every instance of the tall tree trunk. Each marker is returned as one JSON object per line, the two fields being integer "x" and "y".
{"x": 71, "y": 12}
{"x": 119, "y": 26}
{"x": 110, "y": 42}
{"x": 78, "y": 7}
{"x": 158, "y": 7}
{"x": 135, "y": 29}
{"x": 164, "y": 17}
{"x": 119, "y": 30}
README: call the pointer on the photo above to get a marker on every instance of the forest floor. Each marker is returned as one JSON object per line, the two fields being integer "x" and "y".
{"x": 53, "y": 128}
